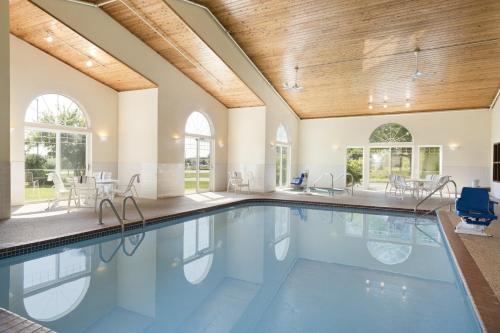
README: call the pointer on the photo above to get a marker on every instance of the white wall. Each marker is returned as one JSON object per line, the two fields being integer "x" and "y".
{"x": 495, "y": 137}
{"x": 138, "y": 137}
{"x": 178, "y": 96}
{"x": 246, "y": 140}
{"x": 277, "y": 110}
{"x": 470, "y": 129}
{"x": 5, "y": 197}
{"x": 33, "y": 73}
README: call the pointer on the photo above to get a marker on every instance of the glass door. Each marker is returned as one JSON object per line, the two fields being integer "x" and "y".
{"x": 282, "y": 160}
{"x": 354, "y": 165}
{"x": 197, "y": 164}
{"x": 386, "y": 161}
{"x": 49, "y": 151}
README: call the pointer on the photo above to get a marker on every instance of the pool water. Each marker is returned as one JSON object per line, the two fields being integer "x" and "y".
{"x": 251, "y": 268}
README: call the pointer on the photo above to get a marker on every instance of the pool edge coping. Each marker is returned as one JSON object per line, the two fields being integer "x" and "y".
{"x": 483, "y": 299}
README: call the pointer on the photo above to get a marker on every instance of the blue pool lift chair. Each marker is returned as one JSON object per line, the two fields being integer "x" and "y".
{"x": 300, "y": 183}
{"x": 476, "y": 210}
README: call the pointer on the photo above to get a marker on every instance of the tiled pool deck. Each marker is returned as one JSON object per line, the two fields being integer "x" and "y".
{"x": 31, "y": 227}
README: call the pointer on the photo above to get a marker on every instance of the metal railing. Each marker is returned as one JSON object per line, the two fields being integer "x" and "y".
{"x": 134, "y": 240}
{"x": 437, "y": 189}
{"x": 136, "y": 208}
{"x": 333, "y": 180}
{"x": 112, "y": 205}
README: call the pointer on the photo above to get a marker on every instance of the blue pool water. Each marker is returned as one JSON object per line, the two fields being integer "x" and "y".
{"x": 251, "y": 268}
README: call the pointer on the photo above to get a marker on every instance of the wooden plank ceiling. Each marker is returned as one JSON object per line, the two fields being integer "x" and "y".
{"x": 155, "y": 23}
{"x": 33, "y": 25}
{"x": 351, "y": 51}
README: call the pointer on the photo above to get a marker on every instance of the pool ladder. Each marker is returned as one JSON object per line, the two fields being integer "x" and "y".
{"x": 122, "y": 218}
{"x": 135, "y": 240}
{"x": 437, "y": 189}
{"x": 332, "y": 189}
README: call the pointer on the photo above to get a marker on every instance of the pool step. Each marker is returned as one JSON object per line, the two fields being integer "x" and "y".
{"x": 13, "y": 323}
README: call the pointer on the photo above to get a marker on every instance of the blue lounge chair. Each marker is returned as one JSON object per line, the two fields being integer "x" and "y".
{"x": 300, "y": 182}
{"x": 476, "y": 210}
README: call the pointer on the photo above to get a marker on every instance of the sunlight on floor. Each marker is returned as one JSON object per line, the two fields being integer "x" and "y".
{"x": 205, "y": 197}
{"x": 36, "y": 210}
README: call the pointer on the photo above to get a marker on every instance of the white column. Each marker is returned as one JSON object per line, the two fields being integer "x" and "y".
{"x": 4, "y": 111}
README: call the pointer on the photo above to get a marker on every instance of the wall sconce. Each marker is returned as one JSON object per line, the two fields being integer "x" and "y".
{"x": 454, "y": 146}
{"x": 221, "y": 144}
{"x": 335, "y": 147}
{"x": 103, "y": 137}
{"x": 176, "y": 138}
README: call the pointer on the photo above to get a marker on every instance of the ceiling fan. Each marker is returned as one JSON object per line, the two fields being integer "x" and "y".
{"x": 295, "y": 86}
{"x": 417, "y": 73}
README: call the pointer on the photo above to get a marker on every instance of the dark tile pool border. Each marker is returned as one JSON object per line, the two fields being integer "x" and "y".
{"x": 45, "y": 244}
{"x": 483, "y": 298}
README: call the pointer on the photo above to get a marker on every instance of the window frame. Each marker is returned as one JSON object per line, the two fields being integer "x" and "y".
{"x": 364, "y": 149}
{"x": 390, "y": 147}
{"x": 441, "y": 151}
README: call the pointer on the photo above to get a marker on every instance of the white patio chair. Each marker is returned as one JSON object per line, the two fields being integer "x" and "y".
{"x": 245, "y": 181}
{"x": 234, "y": 179}
{"x": 391, "y": 184}
{"x": 430, "y": 185}
{"x": 86, "y": 192}
{"x": 61, "y": 192}
{"x": 404, "y": 187}
{"x": 129, "y": 189}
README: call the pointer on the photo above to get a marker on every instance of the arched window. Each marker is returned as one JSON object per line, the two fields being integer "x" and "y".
{"x": 56, "y": 109}
{"x": 198, "y": 249}
{"x": 281, "y": 134}
{"x": 198, "y": 124}
{"x": 55, "y": 285}
{"x": 389, "y": 239}
{"x": 57, "y": 139}
{"x": 198, "y": 151}
{"x": 389, "y": 253}
{"x": 282, "y": 157}
{"x": 391, "y": 133}
{"x": 281, "y": 232}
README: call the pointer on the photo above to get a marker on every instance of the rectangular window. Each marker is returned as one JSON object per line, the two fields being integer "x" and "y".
{"x": 401, "y": 161}
{"x": 386, "y": 161}
{"x": 380, "y": 164}
{"x": 49, "y": 151}
{"x": 354, "y": 165}
{"x": 429, "y": 161}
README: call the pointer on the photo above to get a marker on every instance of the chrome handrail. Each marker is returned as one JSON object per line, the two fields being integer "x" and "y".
{"x": 333, "y": 180}
{"x": 440, "y": 187}
{"x": 124, "y": 209}
{"x": 112, "y": 254}
{"x": 114, "y": 211}
{"x": 136, "y": 246}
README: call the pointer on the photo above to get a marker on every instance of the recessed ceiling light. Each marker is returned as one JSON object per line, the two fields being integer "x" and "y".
{"x": 93, "y": 51}
{"x": 49, "y": 39}
{"x": 89, "y": 63}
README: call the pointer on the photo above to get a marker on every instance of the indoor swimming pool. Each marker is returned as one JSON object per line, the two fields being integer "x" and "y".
{"x": 249, "y": 268}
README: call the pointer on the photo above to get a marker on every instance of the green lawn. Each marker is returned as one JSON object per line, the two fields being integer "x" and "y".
{"x": 38, "y": 194}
